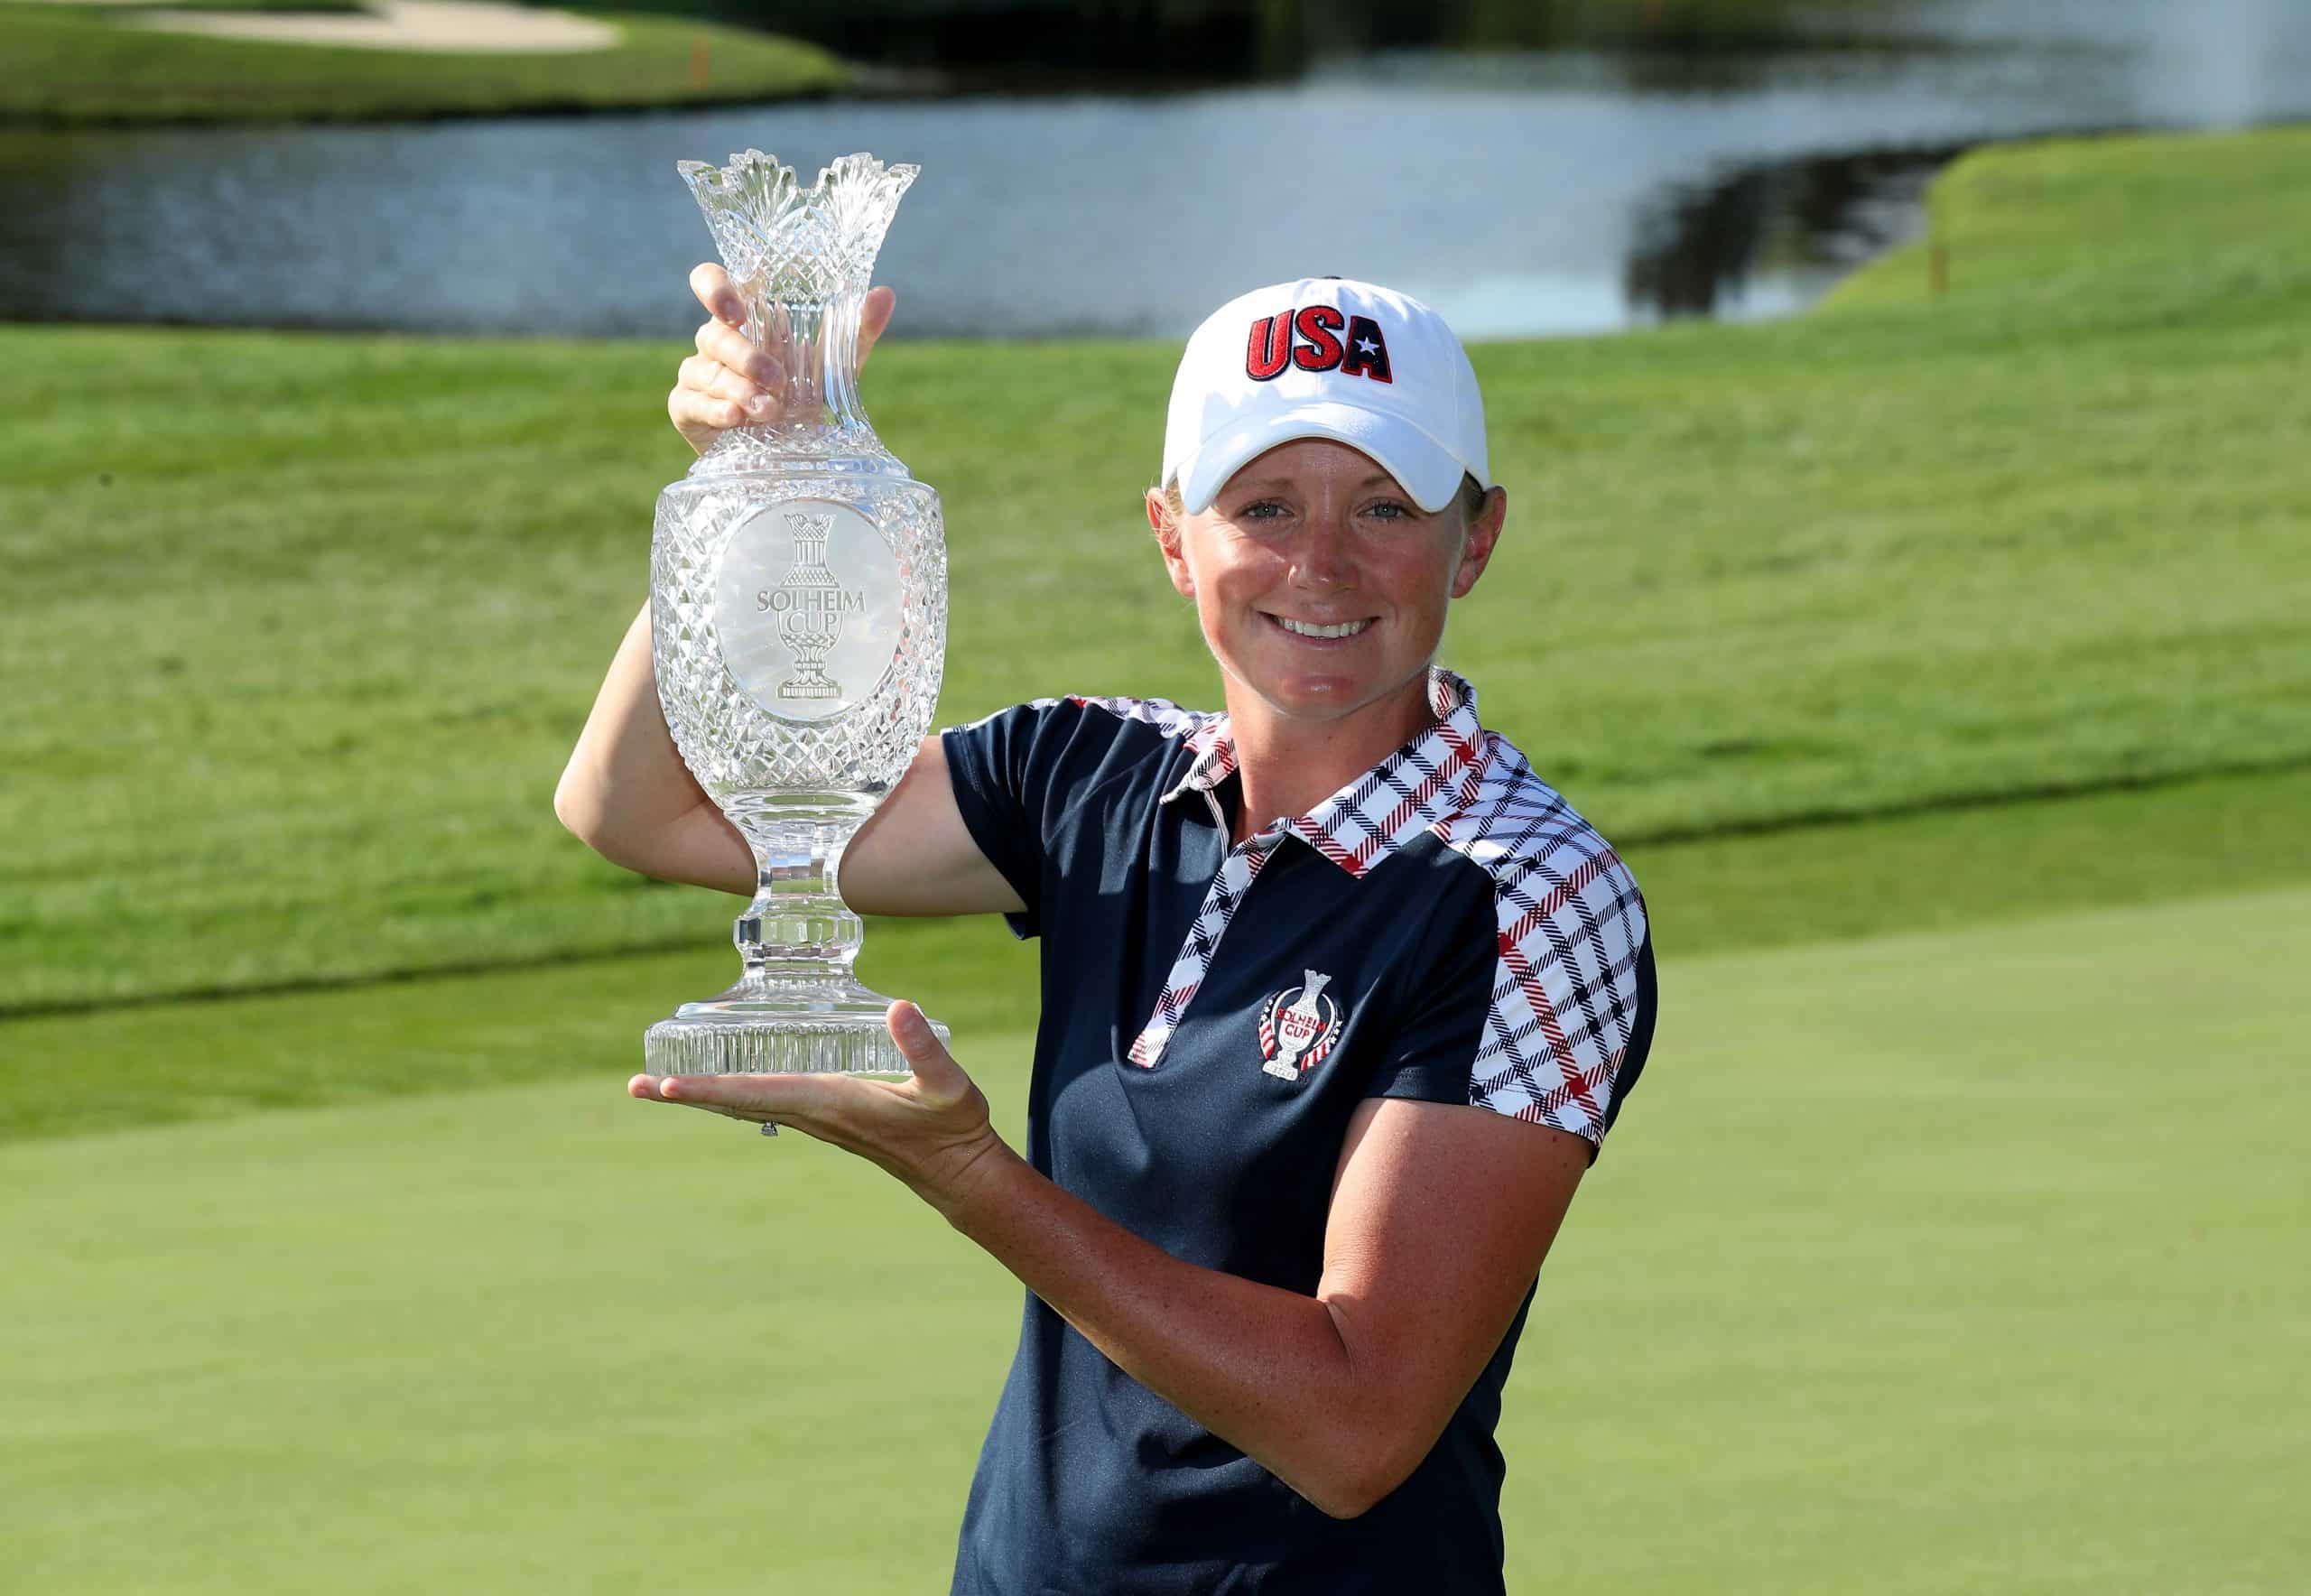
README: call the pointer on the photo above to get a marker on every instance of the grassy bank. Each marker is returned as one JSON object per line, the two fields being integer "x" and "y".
{"x": 315, "y": 621}
{"x": 70, "y": 65}
{"x": 1943, "y": 871}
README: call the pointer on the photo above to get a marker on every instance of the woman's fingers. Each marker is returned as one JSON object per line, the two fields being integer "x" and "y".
{"x": 720, "y": 341}
{"x": 722, "y": 387}
{"x": 718, "y": 387}
{"x": 711, "y": 285}
{"x": 711, "y": 379}
{"x": 731, "y": 382}
{"x": 843, "y": 1105}
{"x": 724, "y": 338}
{"x": 939, "y": 1080}
{"x": 822, "y": 1105}
{"x": 727, "y": 383}
{"x": 874, "y": 316}
{"x": 701, "y": 418}
{"x": 930, "y": 1130}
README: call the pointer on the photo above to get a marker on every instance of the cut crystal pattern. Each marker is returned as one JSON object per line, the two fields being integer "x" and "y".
{"x": 782, "y": 241}
{"x": 797, "y": 785}
{"x": 730, "y": 743}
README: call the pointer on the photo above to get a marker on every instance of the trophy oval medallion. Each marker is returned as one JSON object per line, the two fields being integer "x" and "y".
{"x": 807, "y": 608}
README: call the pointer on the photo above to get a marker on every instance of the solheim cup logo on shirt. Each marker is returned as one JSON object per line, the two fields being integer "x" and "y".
{"x": 1298, "y": 1026}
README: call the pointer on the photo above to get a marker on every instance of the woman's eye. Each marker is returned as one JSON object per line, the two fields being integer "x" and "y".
{"x": 1389, "y": 510}
{"x": 1265, "y": 510}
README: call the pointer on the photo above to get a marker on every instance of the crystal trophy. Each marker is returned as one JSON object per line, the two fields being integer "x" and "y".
{"x": 798, "y": 612}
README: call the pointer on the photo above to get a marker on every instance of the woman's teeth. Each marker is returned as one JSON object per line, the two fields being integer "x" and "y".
{"x": 1307, "y": 630}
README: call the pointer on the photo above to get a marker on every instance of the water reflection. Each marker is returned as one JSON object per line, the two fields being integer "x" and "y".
{"x": 1521, "y": 192}
{"x": 1018, "y": 43}
{"x": 1764, "y": 239}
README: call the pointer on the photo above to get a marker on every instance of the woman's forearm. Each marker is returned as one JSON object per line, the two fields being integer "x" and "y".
{"x": 1266, "y": 1369}
{"x": 627, "y": 793}
{"x": 626, "y": 781}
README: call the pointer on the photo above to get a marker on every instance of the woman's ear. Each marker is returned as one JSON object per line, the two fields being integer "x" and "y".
{"x": 1166, "y": 528}
{"x": 1476, "y": 542}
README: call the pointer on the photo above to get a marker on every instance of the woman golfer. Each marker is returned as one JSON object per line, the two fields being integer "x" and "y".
{"x": 1339, "y": 996}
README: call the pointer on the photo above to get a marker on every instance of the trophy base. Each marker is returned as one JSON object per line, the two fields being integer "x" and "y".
{"x": 745, "y": 1032}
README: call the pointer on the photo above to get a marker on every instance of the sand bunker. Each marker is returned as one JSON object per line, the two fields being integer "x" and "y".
{"x": 450, "y": 25}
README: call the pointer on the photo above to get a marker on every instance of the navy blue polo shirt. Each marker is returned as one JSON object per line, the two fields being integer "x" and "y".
{"x": 1445, "y": 928}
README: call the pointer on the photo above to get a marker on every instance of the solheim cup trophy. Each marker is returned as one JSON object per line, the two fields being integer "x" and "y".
{"x": 798, "y": 610}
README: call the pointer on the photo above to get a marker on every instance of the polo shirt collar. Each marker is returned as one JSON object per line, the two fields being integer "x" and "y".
{"x": 1421, "y": 785}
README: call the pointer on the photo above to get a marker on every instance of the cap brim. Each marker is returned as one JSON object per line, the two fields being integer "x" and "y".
{"x": 1423, "y": 466}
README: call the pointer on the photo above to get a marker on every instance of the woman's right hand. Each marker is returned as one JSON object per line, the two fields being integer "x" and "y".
{"x": 729, "y": 381}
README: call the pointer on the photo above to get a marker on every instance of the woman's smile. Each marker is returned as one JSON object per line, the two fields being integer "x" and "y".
{"x": 1315, "y": 631}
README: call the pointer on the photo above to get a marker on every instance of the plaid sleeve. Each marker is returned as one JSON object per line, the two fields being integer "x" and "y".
{"x": 1570, "y": 1017}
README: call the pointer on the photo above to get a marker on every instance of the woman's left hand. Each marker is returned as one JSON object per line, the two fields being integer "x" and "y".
{"x": 931, "y": 1130}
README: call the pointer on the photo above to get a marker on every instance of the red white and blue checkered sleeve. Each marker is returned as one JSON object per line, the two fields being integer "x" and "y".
{"x": 1571, "y": 1005}
{"x": 1570, "y": 1015}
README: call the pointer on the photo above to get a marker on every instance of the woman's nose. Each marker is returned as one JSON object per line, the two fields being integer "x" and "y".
{"x": 1325, "y": 558}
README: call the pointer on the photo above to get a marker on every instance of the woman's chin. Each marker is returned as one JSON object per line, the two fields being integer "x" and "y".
{"x": 1315, "y": 698}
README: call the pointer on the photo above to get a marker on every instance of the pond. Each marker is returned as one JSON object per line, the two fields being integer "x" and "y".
{"x": 1522, "y": 193}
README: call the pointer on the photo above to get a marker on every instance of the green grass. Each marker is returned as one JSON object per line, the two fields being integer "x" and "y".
{"x": 1946, "y": 1255}
{"x": 170, "y": 1061}
{"x": 70, "y": 65}
{"x": 1919, "y": 1264}
{"x": 309, "y": 624}
{"x": 1944, "y": 869}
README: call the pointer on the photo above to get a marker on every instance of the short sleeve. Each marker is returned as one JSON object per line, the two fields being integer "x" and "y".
{"x": 1544, "y": 1007}
{"x": 999, "y": 785}
{"x": 1016, "y": 773}
{"x": 1441, "y": 1014}
{"x": 1571, "y": 1017}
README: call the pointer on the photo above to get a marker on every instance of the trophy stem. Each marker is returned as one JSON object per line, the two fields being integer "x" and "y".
{"x": 798, "y": 931}
{"x": 797, "y": 1008}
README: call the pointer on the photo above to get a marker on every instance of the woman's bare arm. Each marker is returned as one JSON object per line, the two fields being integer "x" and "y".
{"x": 627, "y": 795}
{"x": 1441, "y": 1216}
{"x": 915, "y": 856}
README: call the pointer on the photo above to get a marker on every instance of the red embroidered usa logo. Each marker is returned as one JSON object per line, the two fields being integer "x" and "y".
{"x": 1313, "y": 341}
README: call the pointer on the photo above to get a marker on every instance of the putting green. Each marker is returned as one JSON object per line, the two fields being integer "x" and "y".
{"x": 1925, "y": 1263}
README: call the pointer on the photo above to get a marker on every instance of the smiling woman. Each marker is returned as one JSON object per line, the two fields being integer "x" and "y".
{"x": 1315, "y": 509}
{"x": 1321, "y": 588}
{"x": 1340, "y": 998}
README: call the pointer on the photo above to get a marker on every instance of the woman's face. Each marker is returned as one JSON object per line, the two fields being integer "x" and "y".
{"x": 1321, "y": 585}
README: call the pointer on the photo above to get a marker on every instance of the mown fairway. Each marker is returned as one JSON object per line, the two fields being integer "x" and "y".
{"x": 1922, "y": 1264}
{"x": 1941, "y": 665}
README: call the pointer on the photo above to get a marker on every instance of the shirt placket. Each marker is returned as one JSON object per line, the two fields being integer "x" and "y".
{"x": 1229, "y": 887}
{"x": 1422, "y": 786}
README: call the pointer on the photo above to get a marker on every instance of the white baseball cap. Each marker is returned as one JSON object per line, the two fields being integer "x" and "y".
{"x": 1326, "y": 358}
